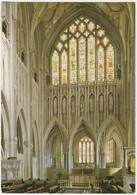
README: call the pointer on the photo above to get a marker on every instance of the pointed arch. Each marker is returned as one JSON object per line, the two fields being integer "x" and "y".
{"x": 5, "y": 116}
{"x": 115, "y": 125}
{"x": 21, "y": 117}
{"x": 75, "y": 127}
{"x": 50, "y": 126}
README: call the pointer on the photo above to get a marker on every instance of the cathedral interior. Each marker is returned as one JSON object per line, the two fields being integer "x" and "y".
{"x": 67, "y": 96}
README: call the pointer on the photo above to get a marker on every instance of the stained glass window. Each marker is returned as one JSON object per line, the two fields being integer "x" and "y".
{"x": 64, "y": 66}
{"x": 91, "y": 58}
{"x": 62, "y": 156}
{"x": 101, "y": 62}
{"x": 110, "y": 151}
{"x": 83, "y": 53}
{"x": 55, "y": 68}
{"x": 110, "y": 63}
{"x": 80, "y": 152}
{"x": 82, "y": 59}
{"x": 86, "y": 150}
{"x": 73, "y": 60}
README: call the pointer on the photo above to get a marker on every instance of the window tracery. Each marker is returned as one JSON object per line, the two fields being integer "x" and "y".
{"x": 83, "y": 53}
{"x": 86, "y": 150}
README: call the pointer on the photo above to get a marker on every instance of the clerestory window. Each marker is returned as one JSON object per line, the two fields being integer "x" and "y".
{"x": 83, "y": 53}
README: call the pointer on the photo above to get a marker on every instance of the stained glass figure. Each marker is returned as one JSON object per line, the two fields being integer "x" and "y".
{"x": 64, "y": 66}
{"x": 81, "y": 27}
{"x": 73, "y": 60}
{"x": 91, "y": 58}
{"x": 82, "y": 60}
{"x": 55, "y": 68}
{"x": 101, "y": 63}
{"x": 110, "y": 63}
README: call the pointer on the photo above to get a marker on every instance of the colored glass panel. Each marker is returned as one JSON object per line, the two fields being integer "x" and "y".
{"x": 91, "y": 26}
{"x": 63, "y": 37}
{"x": 64, "y": 67}
{"x": 77, "y": 22}
{"x": 101, "y": 63}
{"x": 105, "y": 41}
{"x": 73, "y": 60}
{"x": 92, "y": 152}
{"x": 81, "y": 27}
{"x": 91, "y": 58}
{"x": 59, "y": 46}
{"x": 86, "y": 33}
{"x": 80, "y": 152}
{"x": 110, "y": 63}
{"x": 101, "y": 33}
{"x": 84, "y": 152}
{"x": 86, "y": 20}
{"x": 82, "y": 60}
{"x": 55, "y": 68}
{"x": 73, "y": 28}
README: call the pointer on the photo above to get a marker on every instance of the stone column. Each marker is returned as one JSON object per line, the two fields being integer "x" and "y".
{"x": 12, "y": 27}
{"x": 25, "y": 149}
{"x": 97, "y": 163}
{"x": 103, "y": 159}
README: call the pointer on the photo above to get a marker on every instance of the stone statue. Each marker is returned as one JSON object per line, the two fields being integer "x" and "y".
{"x": 91, "y": 103}
{"x": 73, "y": 105}
{"x": 82, "y": 104}
{"x": 110, "y": 102}
{"x": 101, "y": 103}
{"x": 55, "y": 106}
{"x": 64, "y": 105}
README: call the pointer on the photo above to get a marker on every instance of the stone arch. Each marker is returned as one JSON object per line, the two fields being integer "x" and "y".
{"x": 90, "y": 130}
{"x": 21, "y": 117}
{"x": 72, "y": 14}
{"x": 6, "y": 124}
{"x": 50, "y": 126}
{"x": 80, "y": 121}
{"x": 116, "y": 123}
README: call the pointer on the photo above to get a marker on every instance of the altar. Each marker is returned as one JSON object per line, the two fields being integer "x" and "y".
{"x": 81, "y": 178}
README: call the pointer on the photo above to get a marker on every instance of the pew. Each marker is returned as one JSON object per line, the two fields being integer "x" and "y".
{"x": 32, "y": 186}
